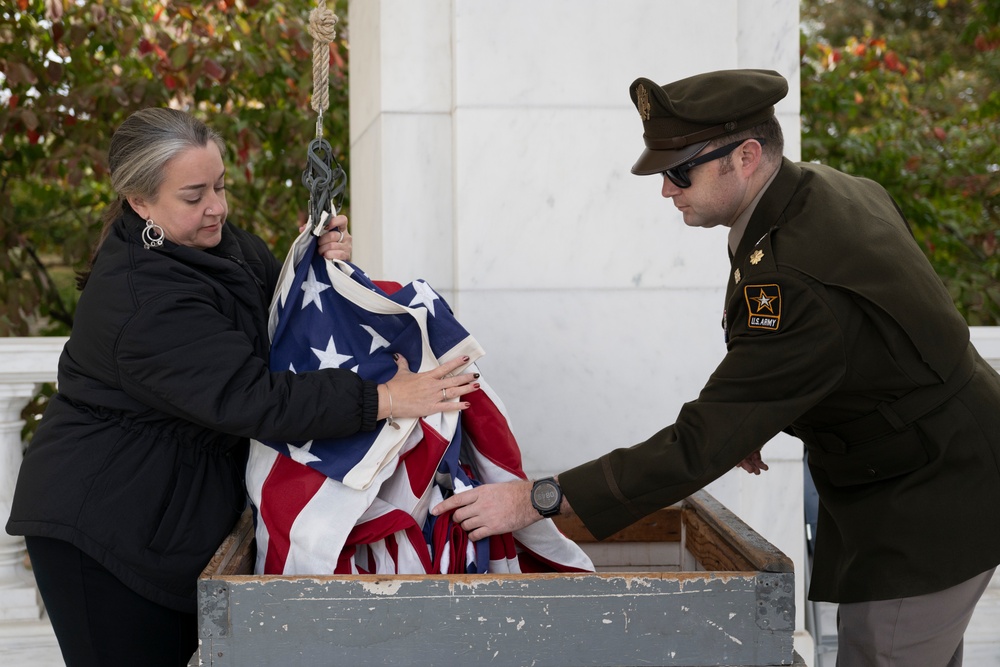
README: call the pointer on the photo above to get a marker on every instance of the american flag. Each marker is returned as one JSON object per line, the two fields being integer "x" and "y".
{"x": 359, "y": 505}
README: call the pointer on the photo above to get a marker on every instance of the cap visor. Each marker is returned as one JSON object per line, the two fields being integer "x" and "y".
{"x": 657, "y": 161}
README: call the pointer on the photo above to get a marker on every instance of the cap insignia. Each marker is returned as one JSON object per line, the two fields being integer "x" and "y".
{"x": 642, "y": 101}
{"x": 756, "y": 256}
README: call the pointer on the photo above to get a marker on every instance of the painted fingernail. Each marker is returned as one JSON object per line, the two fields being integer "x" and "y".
{"x": 475, "y": 376}
{"x": 475, "y": 386}
{"x": 395, "y": 356}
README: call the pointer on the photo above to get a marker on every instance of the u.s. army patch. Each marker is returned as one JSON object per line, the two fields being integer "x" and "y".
{"x": 764, "y": 305}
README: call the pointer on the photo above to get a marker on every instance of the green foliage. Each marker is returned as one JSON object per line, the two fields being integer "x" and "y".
{"x": 71, "y": 71}
{"x": 913, "y": 103}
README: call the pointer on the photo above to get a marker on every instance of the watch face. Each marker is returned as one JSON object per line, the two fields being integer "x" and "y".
{"x": 546, "y": 495}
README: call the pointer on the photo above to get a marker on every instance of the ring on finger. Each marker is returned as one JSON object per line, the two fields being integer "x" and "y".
{"x": 444, "y": 394}
{"x": 341, "y": 239}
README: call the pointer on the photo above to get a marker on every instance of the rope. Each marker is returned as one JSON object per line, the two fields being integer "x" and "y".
{"x": 325, "y": 179}
{"x": 322, "y": 28}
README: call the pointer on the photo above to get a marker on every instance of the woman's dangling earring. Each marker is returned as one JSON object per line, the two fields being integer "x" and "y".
{"x": 152, "y": 235}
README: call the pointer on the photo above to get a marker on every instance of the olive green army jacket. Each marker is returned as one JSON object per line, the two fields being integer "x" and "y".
{"x": 839, "y": 331}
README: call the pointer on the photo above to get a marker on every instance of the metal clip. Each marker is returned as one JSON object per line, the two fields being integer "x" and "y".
{"x": 326, "y": 181}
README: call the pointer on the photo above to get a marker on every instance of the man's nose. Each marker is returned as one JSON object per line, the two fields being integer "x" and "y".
{"x": 669, "y": 189}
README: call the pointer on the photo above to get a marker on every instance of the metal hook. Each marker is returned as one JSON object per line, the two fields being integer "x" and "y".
{"x": 327, "y": 183}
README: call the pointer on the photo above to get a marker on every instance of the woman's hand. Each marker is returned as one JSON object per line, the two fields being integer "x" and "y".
{"x": 336, "y": 242}
{"x": 422, "y": 394}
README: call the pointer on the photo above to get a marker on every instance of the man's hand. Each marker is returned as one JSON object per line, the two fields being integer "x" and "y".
{"x": 753, "y": 464}
{"x": 491, "y": 509}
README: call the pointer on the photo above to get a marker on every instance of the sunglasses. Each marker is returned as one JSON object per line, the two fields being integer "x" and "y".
{"x": 679, "y": 175}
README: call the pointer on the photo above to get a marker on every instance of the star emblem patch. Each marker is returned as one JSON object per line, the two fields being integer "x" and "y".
{"x": 756, "y": 256}
{"x": 764, "y": 306}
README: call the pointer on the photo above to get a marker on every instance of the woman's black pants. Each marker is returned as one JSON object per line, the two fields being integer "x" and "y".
{"x": 98, "y": 620}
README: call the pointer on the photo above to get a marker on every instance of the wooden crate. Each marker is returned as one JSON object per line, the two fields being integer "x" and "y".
{"x": 690, "y": 585}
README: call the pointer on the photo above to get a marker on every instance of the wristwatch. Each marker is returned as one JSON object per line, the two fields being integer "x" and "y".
{"x": 546, "y": 496}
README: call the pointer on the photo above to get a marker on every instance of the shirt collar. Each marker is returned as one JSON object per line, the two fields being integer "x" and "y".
{"x": 740, "y": 226}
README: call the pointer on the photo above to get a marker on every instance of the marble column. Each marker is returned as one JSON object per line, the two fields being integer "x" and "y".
{"x": 491, "y": 145}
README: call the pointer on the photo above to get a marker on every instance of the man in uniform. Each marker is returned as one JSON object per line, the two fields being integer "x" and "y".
{"x": 837, "y": 330}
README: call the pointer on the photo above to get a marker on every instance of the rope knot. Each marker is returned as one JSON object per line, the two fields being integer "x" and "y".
{"x": 322, "y": 24}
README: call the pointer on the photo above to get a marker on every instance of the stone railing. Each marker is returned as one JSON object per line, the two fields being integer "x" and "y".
{"x": 25, "y": 363}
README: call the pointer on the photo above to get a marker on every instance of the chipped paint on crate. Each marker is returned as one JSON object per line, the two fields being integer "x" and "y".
{"x": 382, "y": 587}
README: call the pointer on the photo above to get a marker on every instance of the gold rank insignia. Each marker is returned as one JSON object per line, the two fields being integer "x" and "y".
{"x": 756, "y": 256}
{"x": 764, "y": 306}
{"x": 737, "y": 276}
{"x": 642, "y": 101}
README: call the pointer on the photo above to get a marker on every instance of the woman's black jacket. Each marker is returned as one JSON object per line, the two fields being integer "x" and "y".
{"x": 139, "y": 458}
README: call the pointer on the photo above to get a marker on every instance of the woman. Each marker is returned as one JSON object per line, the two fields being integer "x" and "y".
{"x": 135, "y": 473}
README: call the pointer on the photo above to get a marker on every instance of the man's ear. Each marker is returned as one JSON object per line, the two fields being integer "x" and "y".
{"x": 751, "y": 154}
{"x": 752, "y": 150}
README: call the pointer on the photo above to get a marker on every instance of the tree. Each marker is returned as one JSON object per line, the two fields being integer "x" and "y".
{"x": 913, "y": 103}
{"x": 72, "y": 71}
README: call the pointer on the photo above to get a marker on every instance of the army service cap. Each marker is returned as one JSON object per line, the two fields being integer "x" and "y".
{"x": 680, "y": 118}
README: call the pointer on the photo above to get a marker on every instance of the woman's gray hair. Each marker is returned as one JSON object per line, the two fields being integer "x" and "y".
{"x": 140, "y": 149}
{"x": 146, "y": 142}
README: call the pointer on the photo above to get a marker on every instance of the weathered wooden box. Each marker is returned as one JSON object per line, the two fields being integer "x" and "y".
{"x": 690, "y": 585}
